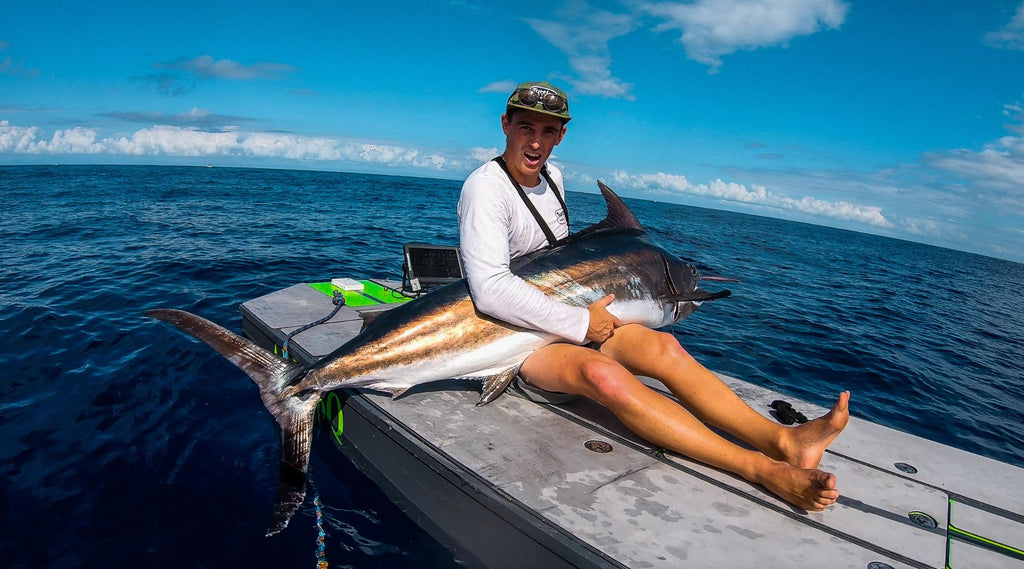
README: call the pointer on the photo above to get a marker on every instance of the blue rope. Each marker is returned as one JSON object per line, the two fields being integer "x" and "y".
{"x": 321, "y": 537}
{"x": 338, "y": 300}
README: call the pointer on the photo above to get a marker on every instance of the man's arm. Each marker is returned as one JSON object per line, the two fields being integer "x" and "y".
{"x": 483, "y": 230}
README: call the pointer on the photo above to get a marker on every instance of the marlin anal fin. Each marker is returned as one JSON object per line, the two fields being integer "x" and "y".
{"x": 495, "y": 385}
{"x": 273, "y": 375}
{"x": 395, "y": 391}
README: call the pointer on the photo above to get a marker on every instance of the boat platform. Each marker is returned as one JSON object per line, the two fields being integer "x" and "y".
{"x": 521, "y": 484}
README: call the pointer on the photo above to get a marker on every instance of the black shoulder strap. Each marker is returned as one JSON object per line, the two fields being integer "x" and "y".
{"x": 552, "y": 240}
{"x": 561, "y": 200}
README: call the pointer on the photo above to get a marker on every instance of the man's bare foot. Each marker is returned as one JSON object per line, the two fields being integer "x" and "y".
{"x": 809, "y": 489}
{"x": 804, "y": 446}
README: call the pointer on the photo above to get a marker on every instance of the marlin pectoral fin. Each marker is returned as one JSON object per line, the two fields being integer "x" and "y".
{"x": 495, "y": 385}
{"x": 699, "y": 295}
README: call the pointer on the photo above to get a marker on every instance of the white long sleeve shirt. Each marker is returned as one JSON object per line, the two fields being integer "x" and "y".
{"x": 495, "y": 227}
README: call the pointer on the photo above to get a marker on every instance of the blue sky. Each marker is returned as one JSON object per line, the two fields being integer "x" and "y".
{"x": 903, "y": 119}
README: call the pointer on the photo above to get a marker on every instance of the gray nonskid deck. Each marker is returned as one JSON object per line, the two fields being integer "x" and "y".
{"x": 638, "y": 508}
{"x": 643, "y": 508}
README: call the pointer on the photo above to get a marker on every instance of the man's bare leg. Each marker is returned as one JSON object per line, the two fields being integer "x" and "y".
{"x": 663, "y": 422}
{"x": 657, "y": 354}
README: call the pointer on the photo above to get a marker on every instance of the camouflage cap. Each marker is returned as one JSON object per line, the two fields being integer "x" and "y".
{"x": 540, "y": 97}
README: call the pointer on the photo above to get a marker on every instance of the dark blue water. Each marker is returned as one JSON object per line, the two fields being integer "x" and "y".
{"x": 123, "y": 444}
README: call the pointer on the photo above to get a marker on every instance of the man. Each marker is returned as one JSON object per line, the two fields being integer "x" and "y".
{"x": 515, "y": 205}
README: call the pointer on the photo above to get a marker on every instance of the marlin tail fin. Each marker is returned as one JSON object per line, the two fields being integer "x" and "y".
{"x": 273, "y": 375}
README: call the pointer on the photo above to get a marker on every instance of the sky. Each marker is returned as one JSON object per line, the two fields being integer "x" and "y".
{"x": 903, "y": 119}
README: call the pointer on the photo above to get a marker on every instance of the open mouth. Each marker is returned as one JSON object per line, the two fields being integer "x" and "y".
{"x": 532, "y": 158}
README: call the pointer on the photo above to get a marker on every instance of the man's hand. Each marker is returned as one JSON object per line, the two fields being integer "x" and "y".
{"x": 602, "y": 322}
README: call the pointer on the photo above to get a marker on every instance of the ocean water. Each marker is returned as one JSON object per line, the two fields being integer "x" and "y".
{"x": 122, "y": 443}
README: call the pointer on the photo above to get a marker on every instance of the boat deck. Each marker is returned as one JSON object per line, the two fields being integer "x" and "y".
{"x": 521, "y": 484}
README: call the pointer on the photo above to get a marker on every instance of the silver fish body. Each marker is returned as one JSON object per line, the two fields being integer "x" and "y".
{"x": 441, "y": 335}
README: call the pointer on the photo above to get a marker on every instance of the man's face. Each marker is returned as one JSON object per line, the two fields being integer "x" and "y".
{"x": 529, "y": 139}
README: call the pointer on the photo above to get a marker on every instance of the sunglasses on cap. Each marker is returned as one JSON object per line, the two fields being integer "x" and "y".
{"x": 548, "y": 99}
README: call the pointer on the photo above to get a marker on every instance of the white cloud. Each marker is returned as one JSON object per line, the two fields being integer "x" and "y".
{"x": 28, "y": 140}
{"x": 994, "y": 174}
{"x": 927, "y": 228}
{"x": 499, "y": 87}
{"x": 195, "y": 117}
{"x": 207, "y": 67}
{"x": 76, "y": 140}
{"x": 164, "y": 140}
{"x": 1012, "y": 36}
{"x": 17, "y": 139}
{"x": 713, "y": 28}
{"x": 172, "y": 77}
{"x": 756, "y": 195}
{"x": 167, "y": 140}
{"x": 710, "y": 29}
{"x": 482, "y": 155}
{"x": 583, "y": 34}
{"x": 915, "y": 201}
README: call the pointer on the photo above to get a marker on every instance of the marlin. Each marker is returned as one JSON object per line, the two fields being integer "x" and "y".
{"x": 442, "y": 336}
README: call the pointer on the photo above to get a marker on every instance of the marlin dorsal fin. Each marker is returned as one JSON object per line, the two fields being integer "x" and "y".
{"x": 619, "y": 215}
